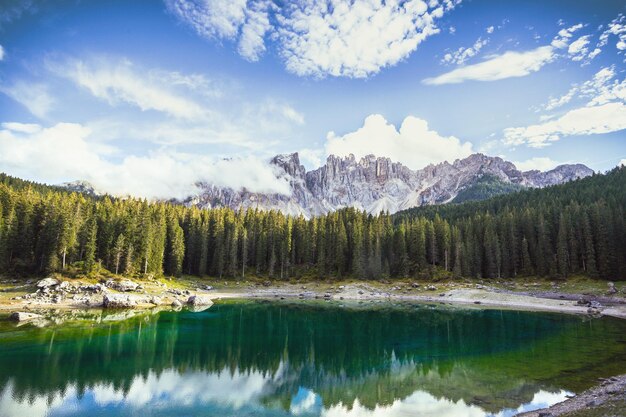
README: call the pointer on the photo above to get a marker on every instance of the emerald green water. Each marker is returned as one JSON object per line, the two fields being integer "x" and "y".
{"x": 308, "y": 359}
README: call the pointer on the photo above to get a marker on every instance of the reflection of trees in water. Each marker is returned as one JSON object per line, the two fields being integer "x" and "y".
{"x": 378, "y": 355}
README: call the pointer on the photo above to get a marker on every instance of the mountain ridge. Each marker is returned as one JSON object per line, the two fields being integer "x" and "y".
{"x": 376, "y": 184}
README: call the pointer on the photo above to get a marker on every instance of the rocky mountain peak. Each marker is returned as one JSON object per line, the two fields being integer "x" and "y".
{"x": 290, "y": 163}
{"x": 376, "y": 183}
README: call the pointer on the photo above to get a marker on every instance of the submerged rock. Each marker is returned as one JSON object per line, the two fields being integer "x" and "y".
{"x": 47, "y": 283}
{"x": 23, "y": 316}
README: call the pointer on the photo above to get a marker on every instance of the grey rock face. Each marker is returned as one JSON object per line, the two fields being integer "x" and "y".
{"x": 376, "y": 184}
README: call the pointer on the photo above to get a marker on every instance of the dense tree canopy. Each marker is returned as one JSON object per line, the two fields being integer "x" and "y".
{"x": 575, "y": 228}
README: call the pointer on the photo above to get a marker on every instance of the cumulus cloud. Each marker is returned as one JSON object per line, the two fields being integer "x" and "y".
{"x": 609, "y": 117}
{"x": 34, "y": 96}
{"x": 511, "y": 63}
{"x": 462, "y": 54}
{"x": 490, "y": 29}
{"x": 578, "y": 49}
{"x": 414, "y": 144}
{"x": 538, "y": 163}
{"x": 319, "y": 38}
{"x": 66, "y": 151}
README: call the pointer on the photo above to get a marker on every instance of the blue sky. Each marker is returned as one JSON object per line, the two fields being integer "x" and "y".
{"x": 148, "y": 97}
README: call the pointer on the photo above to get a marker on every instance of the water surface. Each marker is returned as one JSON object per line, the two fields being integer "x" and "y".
{"x": 242, "y": 358}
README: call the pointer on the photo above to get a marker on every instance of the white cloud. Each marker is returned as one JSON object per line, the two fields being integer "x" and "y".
{"x": 354, "y": 39}
{"x": 34, "y": 96}
{"x": 342, "y": 38}
{"x": 578, "y": 49}
{"x": 311, "y": 158}
{"x": 66, "y": 151}
{"x": 21, "y": 127}
{"x": 609, "y": 117}
{"x": 2, "y": 53}
{"x": 598, "y": 88}
{"x": 462, "y": 54}
{"x": 247, "y": 21}
{"x": 561, "y": 40}
{"x": 418, "y": 403}
{"x": 622, "y": 162}
{"x": 538, "y": 163}
{"x": 617, "y": 28}
{"x": 414, "y": 144}
{"x": 498, "y": 67}
{"x": 509, "y": 64}
{"x": 490, "y": 29}
{"x": 120, "y": 82}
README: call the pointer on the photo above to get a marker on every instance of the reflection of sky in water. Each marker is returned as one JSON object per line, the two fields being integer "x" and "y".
{"x": 231, "y": 394}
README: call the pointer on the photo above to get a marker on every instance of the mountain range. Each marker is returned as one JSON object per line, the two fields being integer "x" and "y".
{"x": 376, "y": 184}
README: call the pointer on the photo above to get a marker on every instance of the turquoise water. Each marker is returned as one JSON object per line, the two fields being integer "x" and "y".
{"x": 307, "y": 359}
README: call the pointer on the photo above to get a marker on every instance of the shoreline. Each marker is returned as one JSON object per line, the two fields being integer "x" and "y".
{"x": 153, "y": 295}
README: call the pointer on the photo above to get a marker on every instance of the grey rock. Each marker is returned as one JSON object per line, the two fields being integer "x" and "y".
{"x": 155, "y": 300}
{"x": 176, "y": 303}
{"x": 118, "y": 301}
{"x": 612, "y": 290}
{"x": 47, "y": 283}
{"x": 123, "y": 285}
{"x": 21, "y": 316}
{"x": 199, "y": 300}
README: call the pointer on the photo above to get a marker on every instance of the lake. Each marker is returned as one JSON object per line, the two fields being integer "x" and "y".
{"x": 253, "y": 358}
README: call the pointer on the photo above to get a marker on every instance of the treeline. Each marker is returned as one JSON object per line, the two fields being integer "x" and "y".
{"x": 576, "y": 228}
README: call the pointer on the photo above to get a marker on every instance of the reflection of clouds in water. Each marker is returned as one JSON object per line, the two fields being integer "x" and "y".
{"x": 541, "y": 399}
{"x": 427, "y": 405}
{"x": 31, "y": 406}
{"x": 172, "y": 388}
{"x": 236, "y": 390}
{"x": 419, "y": 401}
{"x": 305, "y": 402}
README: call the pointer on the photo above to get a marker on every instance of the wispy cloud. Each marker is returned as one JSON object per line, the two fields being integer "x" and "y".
{"x": 498, "y": 67}
{"x": 509, "y": 64}
{"x": 34, "y": 96}
{"x": 603, "y": 112}
{"x": 606, "y": 118}
{"x": 119, "y": 82}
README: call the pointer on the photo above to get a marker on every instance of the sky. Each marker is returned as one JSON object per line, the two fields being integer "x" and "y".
{"x": 149, "y": 97}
